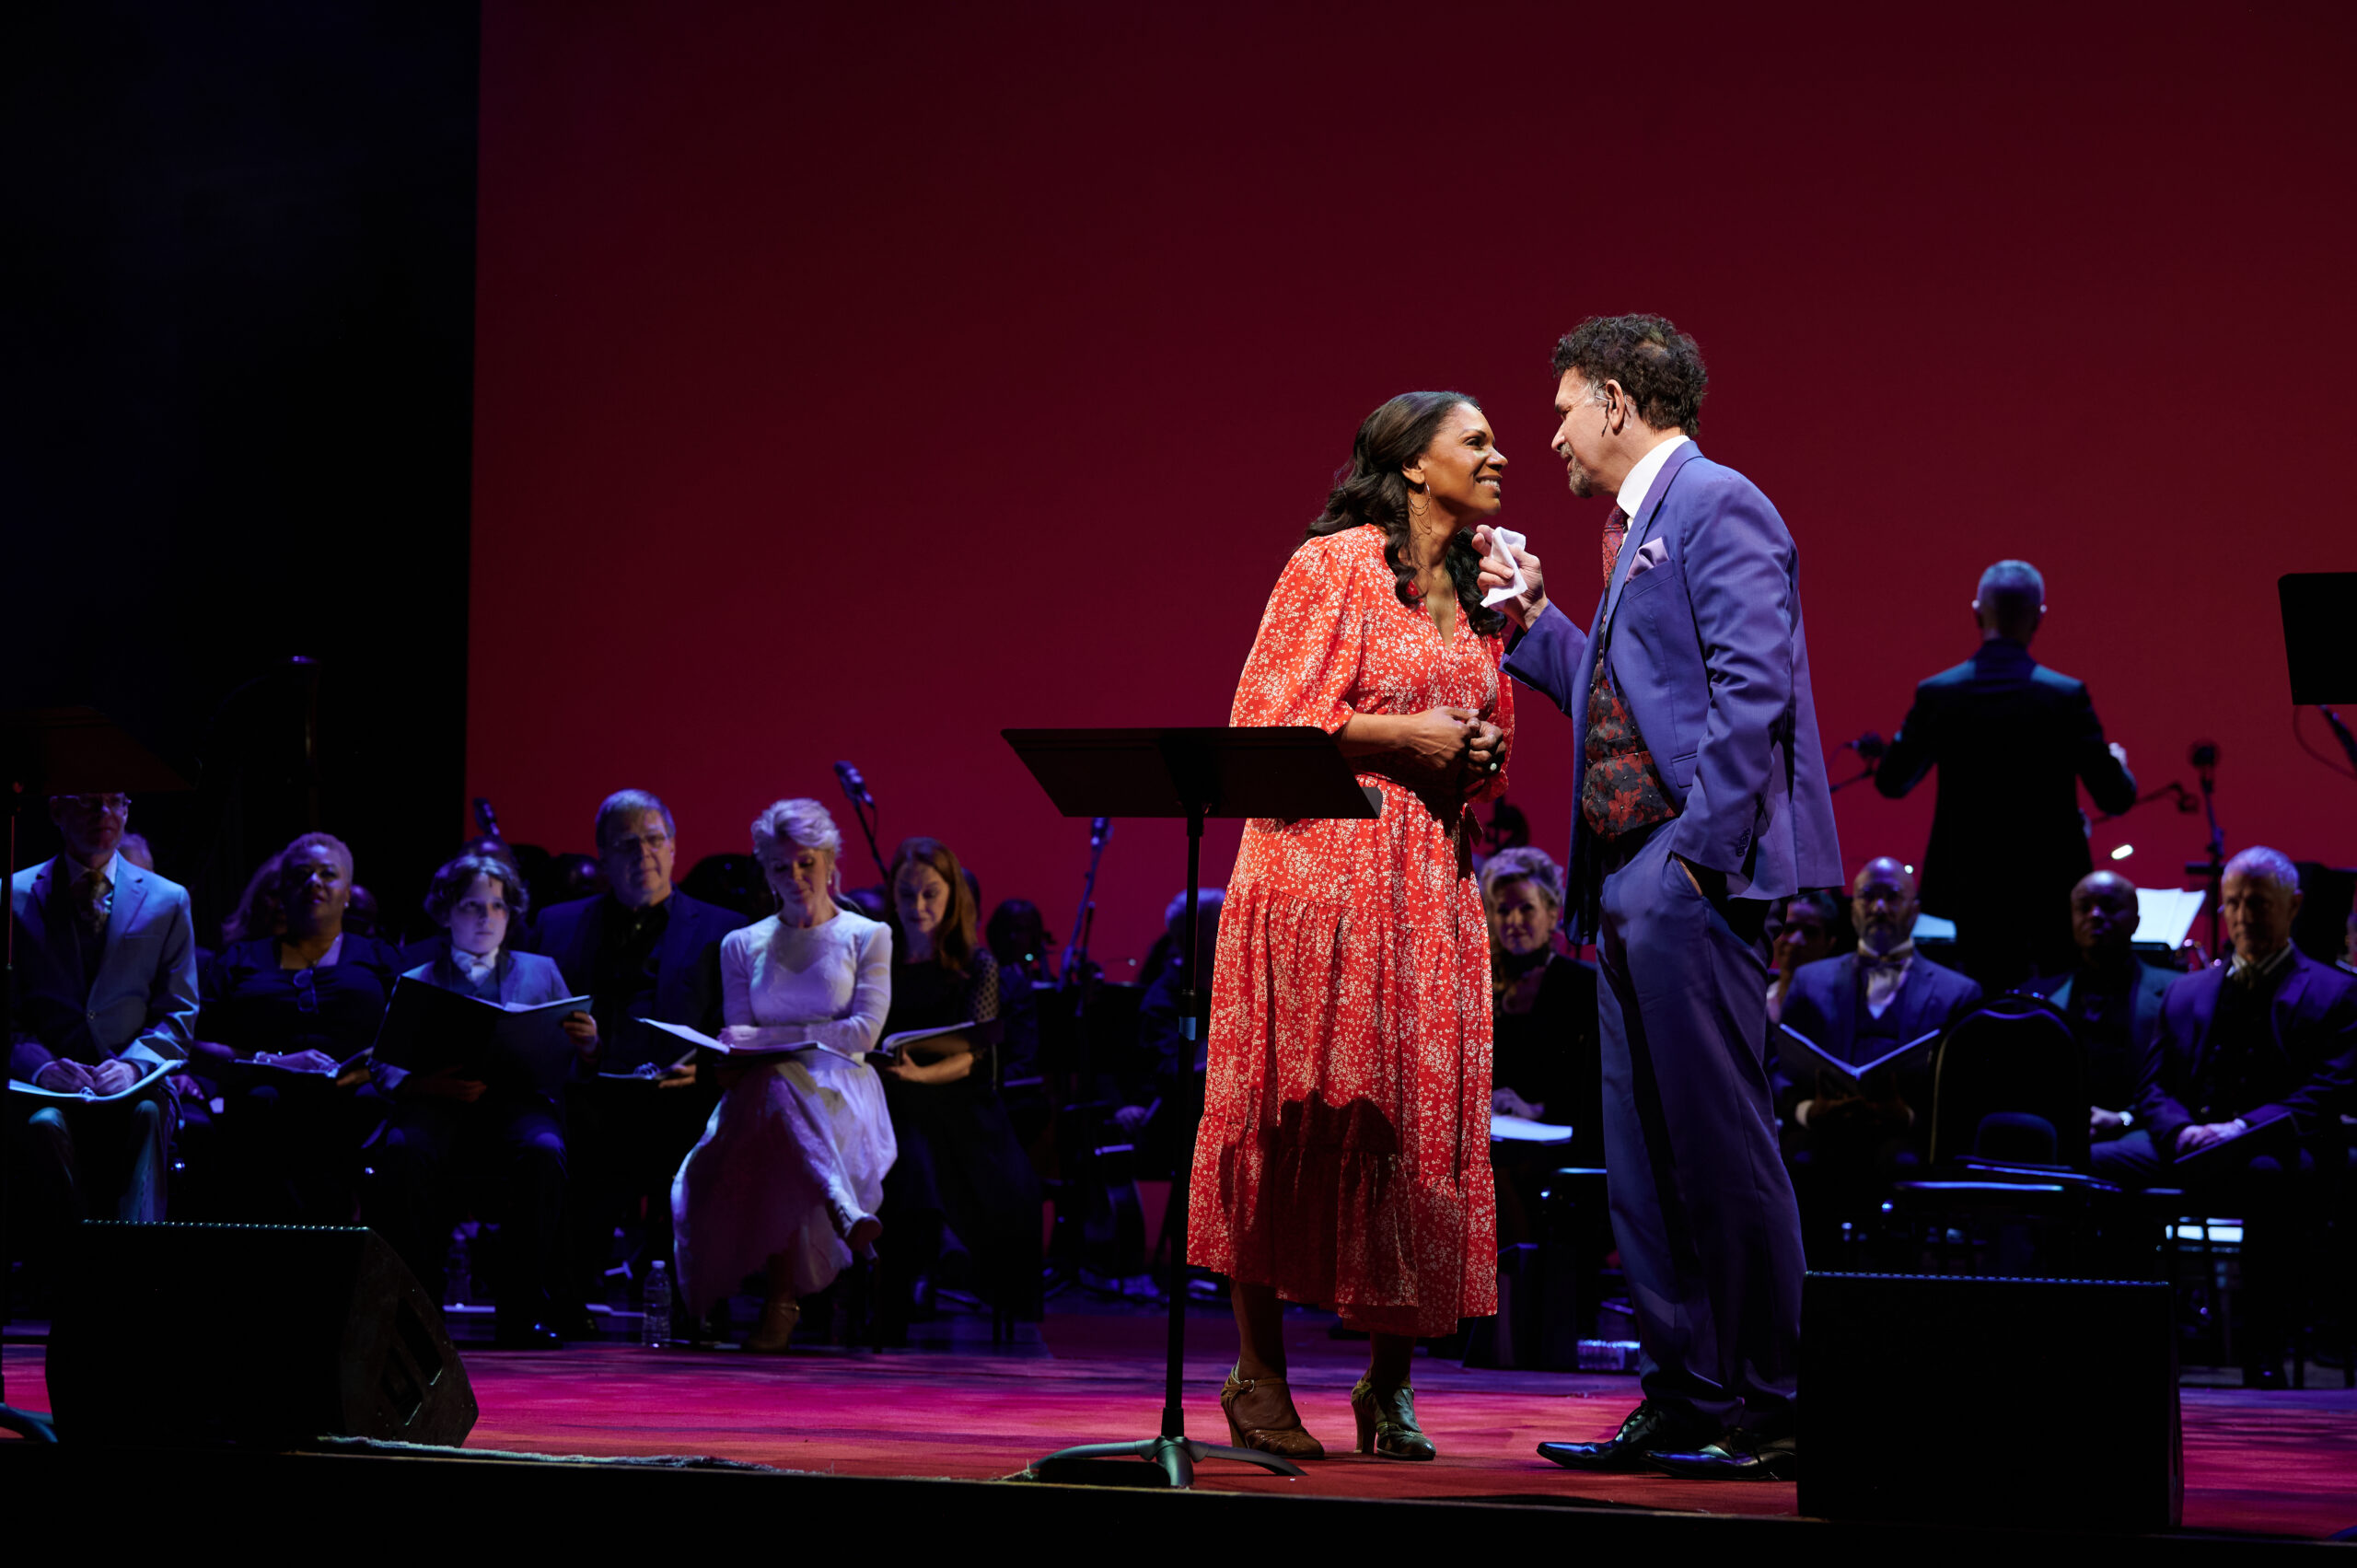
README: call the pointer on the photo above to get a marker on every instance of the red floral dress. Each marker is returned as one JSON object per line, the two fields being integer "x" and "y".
{"x": 1345, "y": 1155}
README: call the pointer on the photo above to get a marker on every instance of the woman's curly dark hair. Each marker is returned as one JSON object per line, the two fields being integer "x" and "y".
{"x": 1372, "y": 489}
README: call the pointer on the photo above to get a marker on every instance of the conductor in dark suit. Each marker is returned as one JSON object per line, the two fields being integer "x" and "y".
{"x": 642, "y": 949}
{"x": 1844, "y": 1135}
{"x": 2112, "y": 999}
{"x": 2243, "y": 1089}
{"x": 2012, "y": 740}
{"x": 1701, "y": 796}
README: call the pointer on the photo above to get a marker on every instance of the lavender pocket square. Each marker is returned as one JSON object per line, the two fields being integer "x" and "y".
{"x": 1650, "y": 554}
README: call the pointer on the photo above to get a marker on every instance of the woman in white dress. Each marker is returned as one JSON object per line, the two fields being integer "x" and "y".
{"x": 791, "y": 1168}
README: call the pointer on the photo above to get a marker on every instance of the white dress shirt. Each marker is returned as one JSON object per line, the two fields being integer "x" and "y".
{"x": 1639, "y": 482}
{"x": 1885, "y": 972}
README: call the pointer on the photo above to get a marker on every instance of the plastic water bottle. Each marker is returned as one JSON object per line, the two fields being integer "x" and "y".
{"x": 654, "y": 1328}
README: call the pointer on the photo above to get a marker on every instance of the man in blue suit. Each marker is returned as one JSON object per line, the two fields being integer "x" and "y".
{"x": 641, "y": 950}
{"x": 105, "y": 997}
{"x": 2242, "y": 1093}
{"x": 1701, "y": 796}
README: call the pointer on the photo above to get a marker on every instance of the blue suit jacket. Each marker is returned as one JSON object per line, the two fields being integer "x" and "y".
{"x": 526, "y": 979}
{"x": 1707, "y": 648}
{"x": 2309, "y": 1067}
{"x": 142, "y": 1001}
{"x": 1823, "y": 1004}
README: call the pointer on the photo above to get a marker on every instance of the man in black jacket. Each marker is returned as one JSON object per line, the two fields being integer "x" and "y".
{"x": 2243, "y": 1089}
{"x": 642, "y": 949}
{"x": 2112, "y": 999}
{"x": 2011, "y": 739}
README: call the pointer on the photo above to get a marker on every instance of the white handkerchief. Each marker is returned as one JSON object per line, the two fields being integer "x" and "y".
{"x": 1503, "y": 544}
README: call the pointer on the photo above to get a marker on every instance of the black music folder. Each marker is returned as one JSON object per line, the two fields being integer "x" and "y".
{"x": 1804, "y": 1059}
{"x": 510, "y": 1048}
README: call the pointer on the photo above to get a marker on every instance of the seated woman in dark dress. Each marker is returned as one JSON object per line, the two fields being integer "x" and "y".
{"x": 960, "y": 1165}
{"x": 1546, "y": 1062}
{"x": 280, "y": 1015}
{"x": 509, "y": 1139}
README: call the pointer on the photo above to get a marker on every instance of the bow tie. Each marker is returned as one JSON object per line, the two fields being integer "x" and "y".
{"x": 1871, "y": 962}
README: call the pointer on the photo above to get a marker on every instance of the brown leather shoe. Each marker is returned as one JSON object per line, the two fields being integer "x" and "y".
{"x": 1387, "y": 1418}
{"x": 1292, "y": 1441}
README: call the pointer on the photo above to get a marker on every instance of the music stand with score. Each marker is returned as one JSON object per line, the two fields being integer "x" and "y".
{"x": 1291, "y": 771}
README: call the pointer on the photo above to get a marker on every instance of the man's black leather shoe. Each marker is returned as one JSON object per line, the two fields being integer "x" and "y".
{"x": 1738, "y": 1455}
{"x": 527, "y": 1336}
{"x": 1649, "y": 1426}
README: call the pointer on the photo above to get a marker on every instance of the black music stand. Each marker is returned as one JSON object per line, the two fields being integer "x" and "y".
{"x": 46, "y": 751}
{"x": 1295, "y": 771}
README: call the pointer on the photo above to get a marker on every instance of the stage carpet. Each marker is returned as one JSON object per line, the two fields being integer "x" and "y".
{"x": 2277, "y": 1463}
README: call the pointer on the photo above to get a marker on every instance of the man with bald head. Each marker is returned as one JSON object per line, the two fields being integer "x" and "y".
{"x": 1842, "y": 1134}
{"x": 2012, "y": 740}
{"x": 2112, "y": 999}
{"x": 2242, "y": 1088}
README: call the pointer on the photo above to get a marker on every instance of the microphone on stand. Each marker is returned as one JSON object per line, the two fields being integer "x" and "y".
{"x": 1099, "y": 829}
{"x": 486, "y": 819}
{"x": 855, "y": 787}
{"x": 2340, "y": 732}
{"x": 863, "y": 807}
{"x": 2203, "y": 755}
{"x": 1871, "y": 748}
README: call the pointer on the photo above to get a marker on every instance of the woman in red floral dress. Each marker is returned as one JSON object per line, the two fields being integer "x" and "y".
{"x": 1345, "y": 1155}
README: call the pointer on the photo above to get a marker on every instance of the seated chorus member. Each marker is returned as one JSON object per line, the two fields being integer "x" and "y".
{"x": 1843, "y": 1138}
{"x": 305, "y": 1000}
{"x": 790, "y": 1171}
{"x": 2242, "y": 1093}
{"x": 105, "y": 994}
{"x": 443, "y": 1122}
{"x": 2112, "y": 999}
{"x": 641, "y": 950}
{"x": 1546, "y": 1065}
{"x": 960, "y": 1165}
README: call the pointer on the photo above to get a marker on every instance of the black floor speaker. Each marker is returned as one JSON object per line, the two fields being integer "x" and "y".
{"x": 248, "y": 1335}
{"x": 2019, "y": 1403}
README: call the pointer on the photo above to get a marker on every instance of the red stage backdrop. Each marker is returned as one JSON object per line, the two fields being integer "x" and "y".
{"x": 854, "y": 382}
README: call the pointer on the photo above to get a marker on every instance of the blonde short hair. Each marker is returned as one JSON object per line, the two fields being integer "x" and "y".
{"x": 802, "y": 823}
{"x": 1523, "y": 862}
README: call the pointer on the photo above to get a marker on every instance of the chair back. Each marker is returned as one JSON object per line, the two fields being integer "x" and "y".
{"x": 2009, "y": 1062}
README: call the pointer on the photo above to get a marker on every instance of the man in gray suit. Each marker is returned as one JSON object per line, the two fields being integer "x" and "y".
{"x": 1702, "y": 798}
{"x": 105, "y": 997}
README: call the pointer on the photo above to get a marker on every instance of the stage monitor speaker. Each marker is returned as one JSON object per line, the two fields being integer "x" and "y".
{"x": 172, "y": 1335}
{"x": 2022, "y": 1403}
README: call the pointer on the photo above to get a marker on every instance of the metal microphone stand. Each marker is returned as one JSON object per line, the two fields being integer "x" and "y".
{"x": 863, "y": 810}
{"x": 2204, "y": 758}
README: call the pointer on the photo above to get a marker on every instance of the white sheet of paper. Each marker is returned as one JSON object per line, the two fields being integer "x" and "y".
{"x": 1521, "y": 1130}
{"x": 83, "y": 1096}
{"x": 1503, "y": 542}
{"x": 2166, "y": 914}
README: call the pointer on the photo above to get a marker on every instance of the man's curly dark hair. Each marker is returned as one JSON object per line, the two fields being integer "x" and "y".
{"x": 1656, "y": 365}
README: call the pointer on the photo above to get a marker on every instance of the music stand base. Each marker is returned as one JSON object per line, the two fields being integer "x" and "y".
{"x": 1170, "y": 1462}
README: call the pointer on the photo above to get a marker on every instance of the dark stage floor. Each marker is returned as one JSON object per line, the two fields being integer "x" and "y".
{"x": 2279, "y": 1463}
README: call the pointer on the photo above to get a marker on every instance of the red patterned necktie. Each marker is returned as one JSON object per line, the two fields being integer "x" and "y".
{"x": 1616, "y": 530}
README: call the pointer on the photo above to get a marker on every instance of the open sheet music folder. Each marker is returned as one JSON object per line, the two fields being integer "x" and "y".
{"x": 888, "y": 1049}
{"x": 427, "y": 1028}
{"x": 1805, "y": 1058}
